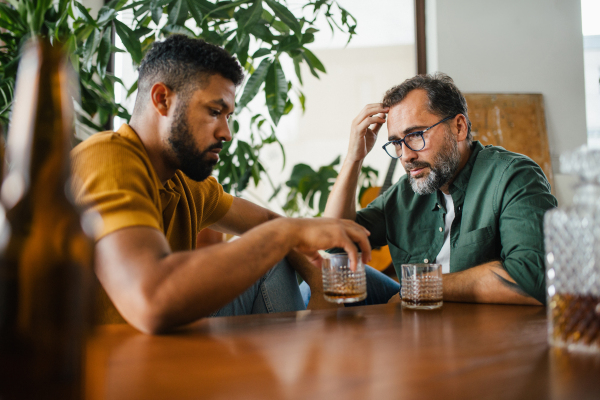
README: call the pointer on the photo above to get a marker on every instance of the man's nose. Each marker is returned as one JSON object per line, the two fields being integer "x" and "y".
{"x": 223, "y": 132}
{"x": 408, "y": 155}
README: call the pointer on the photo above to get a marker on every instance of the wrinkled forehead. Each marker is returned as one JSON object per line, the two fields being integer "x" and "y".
{"x": 412, "y": 111}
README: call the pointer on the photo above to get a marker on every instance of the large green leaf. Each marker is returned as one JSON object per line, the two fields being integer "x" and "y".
{"x": 261, "y": 53}
{"x": 221, "y": 9}
{"x": 37, "y": 20}
{"x": 84, "y": 14}
{"x": 156, "y": 10}
{"x": 254, "y": 82}
{"x": 89, "y": 49}
{"x": 178, "y": 29}
{"x": 286, "y": 17}
{"x": 105, "y": 15}
{"x": 242, "y": 49}
{"x": 104, "y": 52}
{"x": 298, "y": 172}
{"x": 195, "y": 10}
{"x": 276, "y": 91}
{"x": 129, "y": 40}
{"x": 297, "y": 60}
{"x": 253, "y": 15}
{"x": 313, "y": 61}
{"x": 178, "y": 11}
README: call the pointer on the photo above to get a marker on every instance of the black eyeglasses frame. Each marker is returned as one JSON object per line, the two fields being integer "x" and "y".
{"x": 412, "y": 134}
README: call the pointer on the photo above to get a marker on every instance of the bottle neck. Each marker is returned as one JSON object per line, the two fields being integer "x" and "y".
{"x": 38, "y": 145}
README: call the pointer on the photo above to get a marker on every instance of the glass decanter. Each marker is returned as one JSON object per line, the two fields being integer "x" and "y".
{"x": 572, "y": 240}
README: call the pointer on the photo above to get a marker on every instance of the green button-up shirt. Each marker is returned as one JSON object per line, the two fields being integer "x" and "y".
{"x": 499, "y": 199}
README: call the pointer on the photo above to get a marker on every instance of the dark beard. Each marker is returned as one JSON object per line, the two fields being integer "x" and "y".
{"x": 445, "y": 164}
{"x": 191, "y": 161}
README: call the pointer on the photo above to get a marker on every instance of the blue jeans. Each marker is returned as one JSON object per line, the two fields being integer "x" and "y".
{"x": 380, "y": 288}
{"x": 275, "y": 291}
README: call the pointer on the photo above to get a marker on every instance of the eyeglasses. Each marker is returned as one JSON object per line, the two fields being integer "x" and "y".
{"x": 414, "y": 141}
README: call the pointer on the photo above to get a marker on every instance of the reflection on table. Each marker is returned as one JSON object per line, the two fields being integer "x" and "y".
{"x": 460, "y": 351}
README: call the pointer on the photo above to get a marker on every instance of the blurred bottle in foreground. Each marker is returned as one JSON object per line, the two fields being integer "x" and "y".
{"x": 572, "y": 239}
{"x": 46, "y": 260}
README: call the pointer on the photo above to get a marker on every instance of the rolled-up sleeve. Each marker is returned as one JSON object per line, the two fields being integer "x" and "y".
{"x": 522, "y": 199}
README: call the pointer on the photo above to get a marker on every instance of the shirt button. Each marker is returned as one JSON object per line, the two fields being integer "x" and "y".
{"x": 426, "y": 261}
{"x": 441, "y": 229}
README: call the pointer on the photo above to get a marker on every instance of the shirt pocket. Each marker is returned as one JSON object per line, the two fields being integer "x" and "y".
{"x": 477, "y": 236}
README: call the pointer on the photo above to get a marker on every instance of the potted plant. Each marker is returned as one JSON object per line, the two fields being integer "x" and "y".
{"x": 258, "y": 32}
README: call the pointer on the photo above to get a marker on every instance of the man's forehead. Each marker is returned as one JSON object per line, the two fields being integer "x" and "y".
{"x": 218, "y": 91}
{"x": 412, "y": 111}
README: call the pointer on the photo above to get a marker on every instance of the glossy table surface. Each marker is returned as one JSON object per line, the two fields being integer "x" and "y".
{"x": 462, "y": 351}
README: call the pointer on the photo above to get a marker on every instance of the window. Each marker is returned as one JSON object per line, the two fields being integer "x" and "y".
{"x": 590, "y": 11}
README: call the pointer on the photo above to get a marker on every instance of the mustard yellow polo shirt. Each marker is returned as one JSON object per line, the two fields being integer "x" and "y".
{"x": 113, "y": 175}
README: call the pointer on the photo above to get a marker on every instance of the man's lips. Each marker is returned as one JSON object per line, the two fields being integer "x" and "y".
{"x": 214, "y": 150}
{"x": 416, "y": 171}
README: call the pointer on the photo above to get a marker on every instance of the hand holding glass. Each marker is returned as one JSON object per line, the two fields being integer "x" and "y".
{"x": 340, "y": 283}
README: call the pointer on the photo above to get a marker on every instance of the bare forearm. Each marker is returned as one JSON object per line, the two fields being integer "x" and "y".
{"x": 160, "y": 289}
{"x": 341, "y": 202}
{"x": 363, "y": 134}
{"x": 240, "y": 264}
{"x": 155, "y": 289}
{"x": 486, "y": 283}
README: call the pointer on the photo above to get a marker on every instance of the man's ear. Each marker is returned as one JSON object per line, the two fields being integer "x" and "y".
{"x": 162, "y": 98}
{"x": 462, "y": 127}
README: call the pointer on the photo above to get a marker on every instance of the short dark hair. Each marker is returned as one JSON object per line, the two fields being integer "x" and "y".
{"x": 445, "y": 100}
{"x": 181, "y": 63}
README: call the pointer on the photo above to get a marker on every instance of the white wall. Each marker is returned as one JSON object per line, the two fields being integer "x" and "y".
{"x": 355, "y": 77}
{"x": 591, "y": 62}
{"x": 517, "y": 46}
{"x": 94, "y": 5}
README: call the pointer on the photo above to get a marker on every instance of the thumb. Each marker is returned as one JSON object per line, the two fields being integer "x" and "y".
{"x": 315, "y": 259}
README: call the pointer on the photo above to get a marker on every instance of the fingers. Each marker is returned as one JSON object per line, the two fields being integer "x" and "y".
{"x": 359, "y": 235}
{"x": 324, "y": 233}
{"x": 374, "y": 119}
{"x": 378, "y": 126}
{"x": 370, "y": 110}
{"x": 315, "y": 259}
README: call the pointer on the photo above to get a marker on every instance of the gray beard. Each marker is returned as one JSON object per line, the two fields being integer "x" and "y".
{"x": 444, "y": 167}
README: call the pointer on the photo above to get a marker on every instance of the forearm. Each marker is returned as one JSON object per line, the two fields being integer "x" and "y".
{"x": 342, "y": 199}
{"x": 363, "y": 134}
{"x": 486, "y": 283}
{"x": 155, "y": 289}
{"x": 163, "y": 289}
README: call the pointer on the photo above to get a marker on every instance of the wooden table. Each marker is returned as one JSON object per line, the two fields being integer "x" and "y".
{"x": 463, "y": 351}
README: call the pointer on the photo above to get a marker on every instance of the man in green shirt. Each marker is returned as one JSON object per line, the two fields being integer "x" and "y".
{"x": 476, "y": 210}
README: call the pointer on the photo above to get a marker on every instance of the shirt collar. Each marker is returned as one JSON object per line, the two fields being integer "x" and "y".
{"x": 462, "y": 179}
{"x": 436, "y": 200}
{"x": 127, "y": 131}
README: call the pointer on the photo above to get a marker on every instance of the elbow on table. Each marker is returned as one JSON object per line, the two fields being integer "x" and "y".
{"x": 150, "y": 314}
{"x": 150, "y": 323}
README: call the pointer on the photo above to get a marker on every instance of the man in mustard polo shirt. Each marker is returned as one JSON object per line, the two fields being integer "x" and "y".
{"x": 150, "y": 182}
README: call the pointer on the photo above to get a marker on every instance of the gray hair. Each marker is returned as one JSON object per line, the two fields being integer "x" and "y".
{"x": 445, "y": 100}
